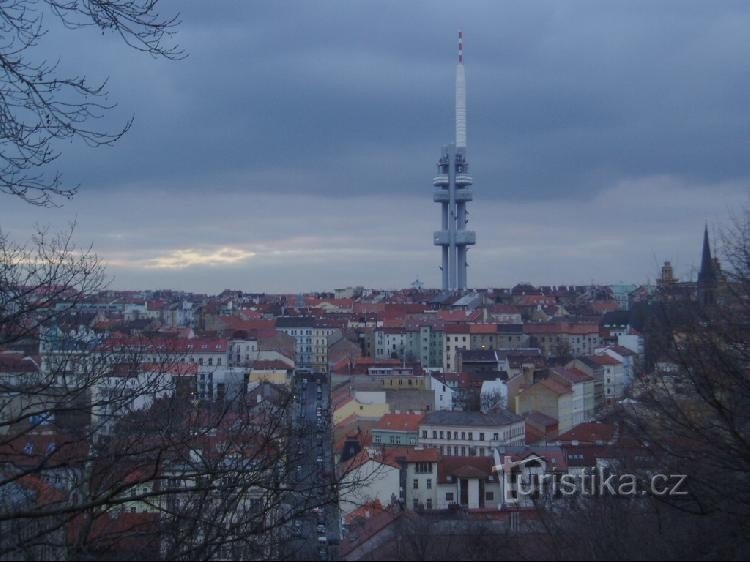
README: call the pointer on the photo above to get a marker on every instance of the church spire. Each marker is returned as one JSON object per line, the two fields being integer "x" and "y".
{"x": 708, "y": 274}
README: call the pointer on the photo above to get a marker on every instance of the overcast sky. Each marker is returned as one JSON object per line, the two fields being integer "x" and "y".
{"x": 294, "y": 148}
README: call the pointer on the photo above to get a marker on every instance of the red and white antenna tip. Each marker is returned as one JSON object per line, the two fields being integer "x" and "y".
{"x": 460, "y": 46}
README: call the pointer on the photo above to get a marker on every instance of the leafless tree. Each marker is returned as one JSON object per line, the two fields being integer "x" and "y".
{"x": 41, "y": 106}
{"x": 692, "y": 410}
{"x": 107, "y": 450}
{"x": 695, "y": 406}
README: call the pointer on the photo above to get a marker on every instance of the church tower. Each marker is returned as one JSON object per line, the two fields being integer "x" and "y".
{"x": 708, "y": 276}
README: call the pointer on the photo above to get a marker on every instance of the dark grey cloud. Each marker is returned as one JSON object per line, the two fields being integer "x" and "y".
{"x": 295, "y": 146}
{"x": 564, "y": 99}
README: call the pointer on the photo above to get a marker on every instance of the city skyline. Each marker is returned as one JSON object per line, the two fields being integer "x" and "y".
{"x": 599, "y": 158}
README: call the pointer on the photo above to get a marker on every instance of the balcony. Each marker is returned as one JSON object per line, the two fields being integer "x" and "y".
{"x": 466, "y": 238}
{"x": 441, "y": 238}
{"x": 440, "y": 181}
{"x": 441, "y": 195}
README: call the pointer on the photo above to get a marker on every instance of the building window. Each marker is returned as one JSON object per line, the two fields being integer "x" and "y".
{"x": 481, "y": 436}
{"x": 416, "y": 484}
{"x": 429, "y": 503}
{"x": 489, "y": 496}
{"x": 449, "y": 496}
{"x": 424, "y": 434}
{"x": 429, "y": 483}
{"x": 434, "y": 434}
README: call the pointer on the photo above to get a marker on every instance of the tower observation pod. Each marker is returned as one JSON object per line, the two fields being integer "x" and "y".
{"x": 453, "y": 191}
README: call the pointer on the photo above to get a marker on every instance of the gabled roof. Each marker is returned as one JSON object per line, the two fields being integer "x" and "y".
{"x": 411, "y": 454}
{"x": 623, "y": 351}
{"x": 459, "y": 315}
{"x": 605, "y": 360}
{"x": 270, "y": 364}
{"x": 572, "y": 375}
{"x": 483, "y": 328}
{"x": 400, "y": 422}
{"x": 555, "y": 384}
{"x": 591, "y": 432}
{"x": 13, "y": 362}
{"x": 471, "y": 419}
{"x": 452, "y": 468}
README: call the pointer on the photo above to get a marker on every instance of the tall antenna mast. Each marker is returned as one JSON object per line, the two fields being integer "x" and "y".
{"x": 460, "y": 95}
{"x": 452, "y": 191}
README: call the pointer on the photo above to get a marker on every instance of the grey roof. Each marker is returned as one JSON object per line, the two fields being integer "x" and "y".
{"x": 484, "y": 355}
{"x": 294, "y": 322}
{"x": 469, "y": 300}
{"x": 410, "y": 400}
{"x": 519, "y": 352}
{"x": 589, "y": 363}
{"x": 475, "y": 419}
{"x": 510, "y": 328}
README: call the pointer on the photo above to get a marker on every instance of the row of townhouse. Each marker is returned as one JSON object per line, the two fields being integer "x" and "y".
{"x": 420, "y": 478}
{"x": 574, "y": 394}
{"x": 421, "y": 344}
{"x": 561, "y": 339}
{"x": 312, "y": 338}
{"x": 568, "y": 395}
{"x": 463, "y": 434}
{"x": 417, "y": 478}
{"x": 439, "y": 347}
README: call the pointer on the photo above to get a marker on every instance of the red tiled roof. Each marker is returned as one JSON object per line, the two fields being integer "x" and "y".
{"x": 532, "y": 434}
{"x": 164, "y": 345}
{"x": 560, "y": 328}
{"x": 591, "y": 432}
{"x": 623, "y": 351}
{"x": 571, "y": 375}
{"x": 372, "y": 527}
{"x": 366, "y": 455}
{"x": 400, "y": 422}
{"x": 605, "y": 360}
{"x": 461, "y": 380}
{"x": 270, "y": 365}
{"x": 555, "y": 457}
{"x": 13, "y": 362}
{"x": 483, "y": 328}
{"x": 464, "y": 467}
{"x": 556, "y": 385}
{"x": 365, "y": 511}
{"x": 604, "y": 306}
{"x": 459, "y": 315}
{"x": 539, "y": 419}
